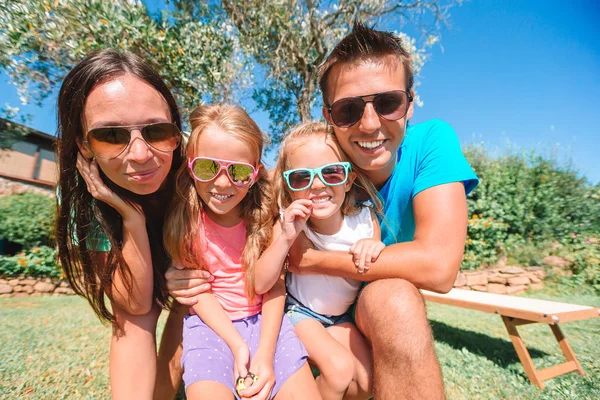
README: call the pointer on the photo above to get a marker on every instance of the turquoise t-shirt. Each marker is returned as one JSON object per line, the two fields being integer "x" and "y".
{"x": 430, "y": 155}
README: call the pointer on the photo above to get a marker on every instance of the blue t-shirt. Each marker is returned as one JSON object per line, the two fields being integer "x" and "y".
{"x": 430, "y": 155}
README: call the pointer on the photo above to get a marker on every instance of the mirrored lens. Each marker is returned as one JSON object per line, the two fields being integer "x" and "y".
{"x": 391, "y": 105}
{"x": 108, "y": 142}
{"x": 205, "y": 170}
{"x": 347, "y": 112}
{"x": 240, "y": 174}
{"x": 162, "y": 136}
{"x": 299, "y": 179}
{"x": 334, "y": 174}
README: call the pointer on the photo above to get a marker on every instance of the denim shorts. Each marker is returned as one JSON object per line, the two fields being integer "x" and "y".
{"x": 299, "y": 312}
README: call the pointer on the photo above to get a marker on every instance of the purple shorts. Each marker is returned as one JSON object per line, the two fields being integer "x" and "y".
{"x": 206, "y": 357}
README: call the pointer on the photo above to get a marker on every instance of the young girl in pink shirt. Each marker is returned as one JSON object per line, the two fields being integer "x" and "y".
{"x": 221, "y": 221}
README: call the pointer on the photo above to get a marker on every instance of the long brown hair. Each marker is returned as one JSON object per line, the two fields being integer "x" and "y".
{"x": 297, "y": 137}
{"x": 183, "y": 222}
{"x": 78, "y": 214}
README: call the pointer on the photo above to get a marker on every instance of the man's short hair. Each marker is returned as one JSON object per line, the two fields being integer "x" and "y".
{"x": 365, "y": 43}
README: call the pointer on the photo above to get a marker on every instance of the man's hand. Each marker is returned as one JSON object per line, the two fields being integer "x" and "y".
{"x": 185, "y": 284}
{"x": 364, "y": 252}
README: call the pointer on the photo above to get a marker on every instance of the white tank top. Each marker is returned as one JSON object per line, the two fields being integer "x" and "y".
{"x": 332, "y": 295}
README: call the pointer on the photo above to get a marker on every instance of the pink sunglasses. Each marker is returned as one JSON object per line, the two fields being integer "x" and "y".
{"x": 205, "y": 169}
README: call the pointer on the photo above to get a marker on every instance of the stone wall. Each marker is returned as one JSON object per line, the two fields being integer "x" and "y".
{"x": 8, "y": 187}
{"x": 503, "y": 280}
{"x": 24, "y": 286}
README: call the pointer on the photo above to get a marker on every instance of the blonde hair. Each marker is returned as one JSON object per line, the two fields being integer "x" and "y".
{"x": 299, "y": 136}
{"x": 183, "y": 223}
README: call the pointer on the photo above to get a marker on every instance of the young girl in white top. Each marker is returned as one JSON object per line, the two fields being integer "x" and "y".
{"x": 316, "y": 189}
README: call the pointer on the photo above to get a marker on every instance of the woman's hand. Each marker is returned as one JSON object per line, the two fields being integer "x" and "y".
{"x": 91, "y": 175}
{"x": 364, "y": 252}
{"x": 185, "y": 284}
{"x": 262, "y": 366}
{"x": 294, "y": 218}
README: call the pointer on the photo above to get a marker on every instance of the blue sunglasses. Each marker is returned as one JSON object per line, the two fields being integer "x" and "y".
{"x": 331, "y": 175}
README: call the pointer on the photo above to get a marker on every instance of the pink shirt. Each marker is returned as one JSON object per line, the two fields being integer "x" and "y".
{"x": 222, "y": 251}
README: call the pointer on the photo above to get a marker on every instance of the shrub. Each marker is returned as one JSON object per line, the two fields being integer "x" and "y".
{"x": 584, "y": 253}
{"x": 37, "y": 261}
{"x": 536, "y": 197}
{"x": 526, "y": 252}
{"x": 27, "y": 219}
{"x": 485, "y": 241}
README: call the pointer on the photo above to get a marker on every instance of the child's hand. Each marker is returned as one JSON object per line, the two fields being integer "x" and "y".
{"x": 364, "y": 252}
{"x": 295, "y": 217}
{"x": 262, "y": 366}
{"x": 241, "y": 360}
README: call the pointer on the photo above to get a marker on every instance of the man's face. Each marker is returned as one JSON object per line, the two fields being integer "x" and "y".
{"x": 373, "y": 141}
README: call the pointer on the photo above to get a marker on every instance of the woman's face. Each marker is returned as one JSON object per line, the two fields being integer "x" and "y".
{"x": 124, "y": 101}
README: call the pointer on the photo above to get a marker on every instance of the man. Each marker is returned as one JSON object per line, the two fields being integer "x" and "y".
{"x": 423, "y": 179}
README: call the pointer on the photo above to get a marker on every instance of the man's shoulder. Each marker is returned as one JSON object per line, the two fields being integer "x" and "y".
{"x": 426, "y": 129}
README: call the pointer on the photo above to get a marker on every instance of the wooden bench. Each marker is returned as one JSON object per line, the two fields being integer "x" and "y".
{"x": 517, "y": 311}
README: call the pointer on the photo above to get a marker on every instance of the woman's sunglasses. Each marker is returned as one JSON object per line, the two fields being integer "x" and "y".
{"x": 331, "y": 175}
{"x": 205, "y": 169}
{"x": 109, "y": 142}
{"x": 388, "y": 105}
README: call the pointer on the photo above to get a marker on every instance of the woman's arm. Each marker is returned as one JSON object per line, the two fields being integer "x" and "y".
{"x": 132, "y": 367}
{"x": 136, "y": 246}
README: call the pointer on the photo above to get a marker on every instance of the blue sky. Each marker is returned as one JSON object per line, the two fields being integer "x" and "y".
{"x": 520, "y": 72}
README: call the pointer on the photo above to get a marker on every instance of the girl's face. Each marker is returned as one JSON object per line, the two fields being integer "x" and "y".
{"x": 314, "y": 153}
{"x": 124, "y": 101}
{"x": 221, "y": 197}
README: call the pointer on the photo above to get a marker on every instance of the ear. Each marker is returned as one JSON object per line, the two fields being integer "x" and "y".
{"x": 350, "y": 181}
{"x": 326, "y": 114}
{"x": 411, "y": 106}
{"x": 84, "y": 149}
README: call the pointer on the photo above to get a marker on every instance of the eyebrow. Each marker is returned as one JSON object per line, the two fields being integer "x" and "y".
{"x": 101, "y": 124}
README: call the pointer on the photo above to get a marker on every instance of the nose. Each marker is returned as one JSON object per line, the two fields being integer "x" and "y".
{"x": 317, "y": 183}
{"x": 369, "y": 121}
{"x": 139, "y": 150}
{"x": 222, "y": 180}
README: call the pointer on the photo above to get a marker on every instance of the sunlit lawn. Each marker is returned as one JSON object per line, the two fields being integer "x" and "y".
{"x": 55, "y": 348}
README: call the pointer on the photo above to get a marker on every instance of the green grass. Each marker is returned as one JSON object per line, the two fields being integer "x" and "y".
{"x": 54, "y": 347}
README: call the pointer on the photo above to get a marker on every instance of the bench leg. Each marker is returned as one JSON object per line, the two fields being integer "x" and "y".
{"x": 522, "y": 352}
{"x": 566, "y": 348}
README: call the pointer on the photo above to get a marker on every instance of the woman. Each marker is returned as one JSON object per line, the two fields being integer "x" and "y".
{"x": 119, "y": 147}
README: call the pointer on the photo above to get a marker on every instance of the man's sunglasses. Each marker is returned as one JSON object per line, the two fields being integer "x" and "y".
{"x": 331, "y": 175}
{"x": 205, "y": 169}
{"x": 388, "y": 105}
{"x": 109, "y": 142}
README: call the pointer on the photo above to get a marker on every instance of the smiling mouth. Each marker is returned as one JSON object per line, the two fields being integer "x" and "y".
{"x": 221, "y": 197}
{"x": 373, "y": 144}
{"x": 143, "y": 175}
{"x": 321, "y": 199}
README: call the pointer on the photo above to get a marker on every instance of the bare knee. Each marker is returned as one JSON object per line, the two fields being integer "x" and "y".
{"x": 391, "y": 314}
{"x": 338, "y": 371}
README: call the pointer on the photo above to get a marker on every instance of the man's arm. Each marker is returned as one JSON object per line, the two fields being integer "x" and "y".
{"x": 431, "y": 261}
